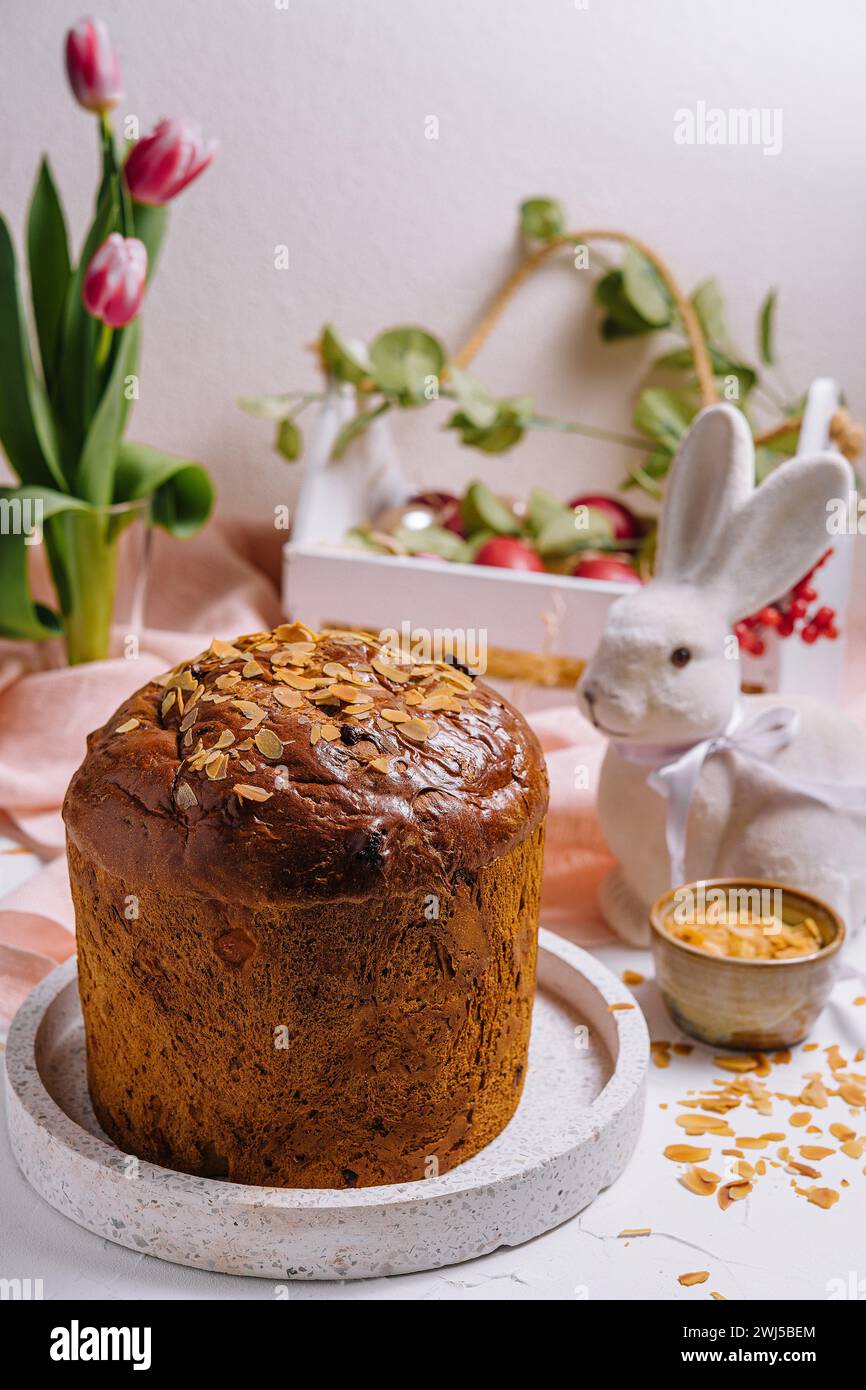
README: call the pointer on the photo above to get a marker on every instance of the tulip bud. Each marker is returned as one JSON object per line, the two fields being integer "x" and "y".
{"x": 160, "y": 165}
{"x": 113, "y": 285}
{"x": 92, "y": 66}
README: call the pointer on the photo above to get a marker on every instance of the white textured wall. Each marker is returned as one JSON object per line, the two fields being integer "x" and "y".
{"x": 320, "y": 110}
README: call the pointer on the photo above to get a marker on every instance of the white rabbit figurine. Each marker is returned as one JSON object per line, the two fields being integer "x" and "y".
{"x": 779, "y": 797}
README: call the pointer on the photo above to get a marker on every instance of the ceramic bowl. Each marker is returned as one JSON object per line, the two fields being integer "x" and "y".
{"x": 750, "y": 1004}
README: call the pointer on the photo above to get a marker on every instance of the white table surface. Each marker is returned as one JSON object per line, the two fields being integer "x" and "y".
{"x": 774, "y": 1245}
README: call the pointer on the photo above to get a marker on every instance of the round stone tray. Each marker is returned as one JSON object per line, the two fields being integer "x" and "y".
{"x": 575, "y": 1129}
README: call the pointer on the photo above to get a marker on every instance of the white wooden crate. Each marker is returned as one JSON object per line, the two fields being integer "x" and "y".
{"x": 326, "y": 583}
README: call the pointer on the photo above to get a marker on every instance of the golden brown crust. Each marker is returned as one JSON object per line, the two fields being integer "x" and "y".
{"x": 254, "y": 775}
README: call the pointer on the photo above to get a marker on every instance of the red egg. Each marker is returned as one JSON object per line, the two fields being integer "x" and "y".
{"x": 508, "y": 553}
{"x": 625, "y": 523}
{"x": 605, "y": 567}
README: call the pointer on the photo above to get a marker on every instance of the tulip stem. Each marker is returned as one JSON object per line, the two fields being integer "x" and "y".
{"x": 104, "y": 344}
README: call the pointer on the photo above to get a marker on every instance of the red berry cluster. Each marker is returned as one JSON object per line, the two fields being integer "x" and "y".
{"x": 788, "y": 615}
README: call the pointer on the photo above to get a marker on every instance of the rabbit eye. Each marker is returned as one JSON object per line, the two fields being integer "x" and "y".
{"x": 681, "y": 656}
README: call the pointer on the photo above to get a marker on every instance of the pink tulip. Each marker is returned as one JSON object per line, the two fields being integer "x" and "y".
{"x": 162, "y": 164}
{"x": 113, "y": 285}
{"x": 92, "y": 66}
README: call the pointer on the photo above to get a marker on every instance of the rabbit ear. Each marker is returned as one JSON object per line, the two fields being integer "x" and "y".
{"x": 776, "y": 536}
{"x": 711, "y": 477}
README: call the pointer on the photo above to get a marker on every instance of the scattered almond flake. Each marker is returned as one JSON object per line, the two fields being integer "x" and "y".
{"x": 188, "y": 721}
{"x": 736, "y": 1063}
{"x": 774, "y": 1137}
{"x": 632, "y": 977}
{"x": 733, "y": 1153}
{"x": 357, "y": 709}
{"x": 703, "y": 1124}
{"x": 289, "y": 699}
{"x": 297, "y": 682}
{"x": 861, "y": 999}
{"x": 816, "y": 1151}
{"x": 391, "y": 673}
{"x": 168, "y": 701}
{"x": 687, "y": 1153}
{"x": 814, "y": 1129}
{"x": 751, "y": 1141}
{"x": 337, "y": 670}
{"x": 440, "y": 700}
{"x": 227, "y": 680}
{"x": 719, "y": 1297}
{"x": 315, "y": 734}
{"x": 819, "y": 1196}
{"x": 735, "y": 1192}
{"x": 810, "y": 1047}
{"x": 182, "y": 680}
{"x": 852, "y": 1093}
{"x": 700, "y": 1181}
{"x": 224, "y": 649}
{"x": 330, "y": 732}
{"x": 814, "y": 1093}
{"x": 346, "y": 694}
{"x": 381, "y": 764}
{"x": 248, "y": 793}
{"x": 127, "y": 727}
{"x": 294, "y": 632}
{"x": 225, "y": 740}
{"x": 800, "y": 1118}
{"x": 268, "y": 744}
{"x": 618, "y": 1008}
{"x": 698, "y": 1276}
{"x": 853, "y": 1148}
{"x": 244, "y": 745}
{"x": 661, "y": 1054}
{"x": 185, "y": 797}
{"x": 744, "y": 1169}
{"x": 803, "y": 1169}
{"x": 450, "y": 673}
{"x": 216, "y": 767}
{"x": 246, "y": 765}
{"x": 635, "y": 1231}
{"x": 782, "y": 1057}
{"x": 418, "y": 730}
{"x": 761, "y": 1167}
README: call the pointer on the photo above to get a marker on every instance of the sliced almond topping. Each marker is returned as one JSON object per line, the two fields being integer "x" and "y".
{"x": 127, "y": 727}
{"x": 289, "y": 699}
{"x": 268, "y": 744}
{"x": 381, "y": 764}
{"x": 294, "y": 632}
{"x": 247, "y": 765}
{"x": 188, "y": 721}
{"x": 698, "y": 1276}
{"x": 248, "y": 793}
{"x": 395, "y": 716}
{"x": 225, "y": 740}
{"x": 315, "y": 734}
{"x": 297, "y": 682}
{"x": 418, "y": 730}
{"x": 358, "y": 709}
{"x": 476, "y": 704}
{"x": 185, "y": 797}
{"x": 330, "y": 732}
{"x": 392, "y": 673}
{"x": 224, "y": 649}
{"x": 413, "y": 697}
{"x": 168, "y": 701}
{"x": 227, "y": 680}
{"x": 337, "y": 670}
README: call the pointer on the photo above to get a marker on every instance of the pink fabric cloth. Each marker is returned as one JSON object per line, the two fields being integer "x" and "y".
{"x": 225, "y": 582}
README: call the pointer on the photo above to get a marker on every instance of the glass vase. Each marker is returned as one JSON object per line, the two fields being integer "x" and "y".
{"x": 100, "y": 560}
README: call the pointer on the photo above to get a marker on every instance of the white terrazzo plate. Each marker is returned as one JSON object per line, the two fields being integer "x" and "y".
{"x": 574, "y": 1131}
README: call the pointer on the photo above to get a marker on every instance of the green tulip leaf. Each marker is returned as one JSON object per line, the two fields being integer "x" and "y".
{"x": 150, "y": 225}
{"x": 181, "y": 489}
{"x": 766, "y": 326}
{"x": 26, "y": 507}
{"x": 95, "y": 479}
{"x": 48, "y": 259}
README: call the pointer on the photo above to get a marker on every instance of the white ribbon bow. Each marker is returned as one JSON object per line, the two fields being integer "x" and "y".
{"x": 675, "y": 771}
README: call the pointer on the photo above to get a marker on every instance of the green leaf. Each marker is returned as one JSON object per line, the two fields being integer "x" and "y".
{"x": 622, "y": 319}
{"x": 78, "y": 381}
{"x": 269, "y": 407}
{"x": 288, "y": 440}
{"x": 27, "y": 430}
{"x": 723, "y": 366}
{"x": 339, "y": 361}
{"x": 542, "y": 219}
{"x": 404, "y": 360}
{"x": 474, "y": 400}
{"x": 645, "y": 290}
{"x": 709, "y": 306}
{"x": 48, "y": 257}
{"x": 665, "y": 415}
{"x": 181, "y": 489}
{"x": 435, "y": 539}
{"x": 542, "y": 508}
{"x": 565, "y": 534}
{"x": 355, "y": 427}
{"x": 766, "y": 327}
{"x": 20, "y": 617}
{"x": 150, "y": 224}
{"x": 95, "y": 478}
{"x": 481, "y": 509}
{"x": 506, "y": 430}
